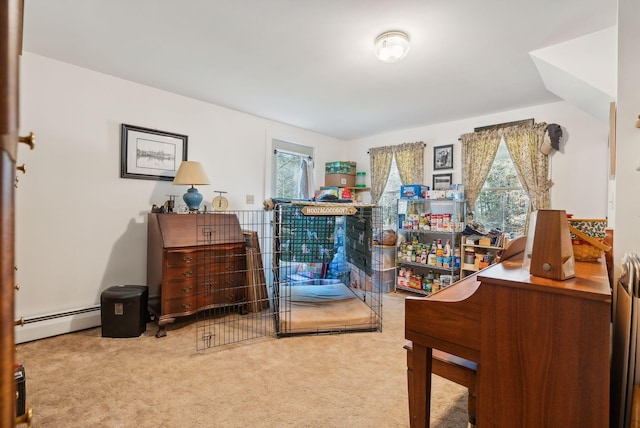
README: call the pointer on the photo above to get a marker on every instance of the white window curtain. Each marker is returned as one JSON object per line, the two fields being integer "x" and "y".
{"x": 306, "y": 185}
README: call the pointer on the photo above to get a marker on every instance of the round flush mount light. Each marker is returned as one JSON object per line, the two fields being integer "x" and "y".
{"x": 392, "y": 46}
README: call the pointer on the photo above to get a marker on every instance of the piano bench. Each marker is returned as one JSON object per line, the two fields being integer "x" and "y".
{"x": 450, "y": 367}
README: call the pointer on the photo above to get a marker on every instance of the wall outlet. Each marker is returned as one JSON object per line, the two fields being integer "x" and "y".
{"x": 249, "y": 199}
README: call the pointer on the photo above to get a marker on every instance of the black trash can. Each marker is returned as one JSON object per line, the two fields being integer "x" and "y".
{"x": 123, "y": 310}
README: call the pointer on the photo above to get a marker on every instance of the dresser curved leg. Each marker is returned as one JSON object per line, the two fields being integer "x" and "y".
{"x": 162, "y": 323}
{"x": 243, "y": 309}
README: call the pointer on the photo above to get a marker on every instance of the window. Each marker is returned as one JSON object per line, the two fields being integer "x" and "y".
{"x": 389, "y": 198}
{"x": 503, "y": 203}
{"x": 286, "y": 168}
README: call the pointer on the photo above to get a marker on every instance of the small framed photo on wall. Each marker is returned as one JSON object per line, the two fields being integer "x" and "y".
{"x": 442, "y": 181}
{"x": 443, "y": 157}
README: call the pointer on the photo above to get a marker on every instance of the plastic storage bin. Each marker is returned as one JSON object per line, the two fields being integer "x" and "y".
{"x": 123, "y": 310}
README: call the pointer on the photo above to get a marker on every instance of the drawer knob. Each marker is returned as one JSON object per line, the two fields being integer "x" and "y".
{"x": 28, "y": 140}
{"x": 17, "y": 287}
{"x": 186, "y": 305}
{"x": 185, "y": 289}
{"x": 187, "y": 259}
{"x": 22, "y": 168}
{"x": 20, "y": 322}
{"x": 187, "y": 273}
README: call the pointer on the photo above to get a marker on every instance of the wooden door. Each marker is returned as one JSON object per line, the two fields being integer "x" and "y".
{"x": 10, "y": 47}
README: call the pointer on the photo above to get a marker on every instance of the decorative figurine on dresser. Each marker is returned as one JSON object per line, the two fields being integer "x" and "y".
{"x": 194, "y": 262}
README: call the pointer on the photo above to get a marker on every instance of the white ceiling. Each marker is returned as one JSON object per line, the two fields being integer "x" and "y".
{"x": 311, "y": 64}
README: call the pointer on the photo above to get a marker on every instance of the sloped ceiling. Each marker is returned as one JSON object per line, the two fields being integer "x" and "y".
{"x": 311, "y": 64}
{"x": 582, "y": 71}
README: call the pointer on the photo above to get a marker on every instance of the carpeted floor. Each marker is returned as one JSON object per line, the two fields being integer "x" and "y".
{"x": 349, "y": 380}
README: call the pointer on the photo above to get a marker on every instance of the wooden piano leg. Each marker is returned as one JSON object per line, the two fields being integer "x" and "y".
{"x": 420, "y": 390}
{"x": 409, "y": 348}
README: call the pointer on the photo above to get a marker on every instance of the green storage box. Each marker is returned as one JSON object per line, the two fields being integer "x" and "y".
{"x": 340, "y": 167}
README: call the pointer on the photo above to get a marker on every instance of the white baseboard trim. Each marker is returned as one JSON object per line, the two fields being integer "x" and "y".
{"x": 40, "y": 327}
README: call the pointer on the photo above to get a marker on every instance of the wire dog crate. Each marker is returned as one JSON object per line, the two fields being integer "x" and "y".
{"x": 324, "y": 264}
{"x": 238, "y": 277}
{"x": 306, "y": 269}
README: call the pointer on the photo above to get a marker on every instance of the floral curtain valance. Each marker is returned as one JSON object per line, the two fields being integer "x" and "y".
{"x": 410, "y": 162}
{"x": 523, "y": 142}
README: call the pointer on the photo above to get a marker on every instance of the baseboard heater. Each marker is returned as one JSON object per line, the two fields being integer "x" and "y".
{"x": 54, "y": 324}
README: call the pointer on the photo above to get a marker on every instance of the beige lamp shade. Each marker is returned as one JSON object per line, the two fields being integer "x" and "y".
{"x": 190, "y": 173}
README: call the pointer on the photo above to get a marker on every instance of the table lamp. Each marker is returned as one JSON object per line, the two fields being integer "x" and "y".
{"x": 191, "y": 173}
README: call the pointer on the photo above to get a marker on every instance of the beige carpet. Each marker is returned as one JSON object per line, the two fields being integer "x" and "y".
{"x": 349, "y": 380}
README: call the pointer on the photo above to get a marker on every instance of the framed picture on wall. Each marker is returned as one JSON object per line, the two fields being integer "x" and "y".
{"x": 149, "y": 154}
{"x": 442, "y": 181}
{"x": 443, "y": 157}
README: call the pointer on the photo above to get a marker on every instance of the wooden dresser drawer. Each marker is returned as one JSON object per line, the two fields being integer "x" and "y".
{"x": 214, "y": 297}
{"x": 224, "y": 267}
{"x": 222, "y": 280}
{"x": 178, "y": 289}
{"x": 180, "y": 273}
{"x": 222, "y": 255}
{"x": 176, "y": 258}
{"x": 180, "y": 305}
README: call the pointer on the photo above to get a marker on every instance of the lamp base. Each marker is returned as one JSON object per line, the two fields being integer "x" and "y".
{"x": 193, "y": 199}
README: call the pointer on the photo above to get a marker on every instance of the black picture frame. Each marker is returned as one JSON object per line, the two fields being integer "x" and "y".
{"x": 149, "y": 154}
{"x": 443, "y": 157}
{"x": 442, "y": 181}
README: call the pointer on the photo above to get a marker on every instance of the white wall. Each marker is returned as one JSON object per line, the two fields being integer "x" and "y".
{"x": 579, "y": 170}
{"x": 627, "y": 178}
{"x": 80, "y": 228}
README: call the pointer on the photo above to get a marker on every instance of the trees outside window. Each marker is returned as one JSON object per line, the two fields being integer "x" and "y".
{"x": 503, "y": 203}
{"x": 389, "y": 198}
{"x": 287, "y": 174}
{"x": 286, "y": 168}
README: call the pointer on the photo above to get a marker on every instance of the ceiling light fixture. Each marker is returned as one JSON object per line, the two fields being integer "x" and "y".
{"x": 392, "y": 46}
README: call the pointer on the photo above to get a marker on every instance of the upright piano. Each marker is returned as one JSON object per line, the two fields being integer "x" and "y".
{"x": 541, "y": 346}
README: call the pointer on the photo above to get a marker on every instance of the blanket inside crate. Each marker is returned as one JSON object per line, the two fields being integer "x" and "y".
{"x": 328, "y": 307}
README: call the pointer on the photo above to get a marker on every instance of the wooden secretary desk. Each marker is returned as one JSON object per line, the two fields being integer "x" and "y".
{"x": 541, "y": 345}
{"x": 194, "y": 262}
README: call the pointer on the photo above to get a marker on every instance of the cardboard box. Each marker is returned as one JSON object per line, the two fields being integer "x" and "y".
{"x": 413, "y": 191}
{"x": 340, "y": 174}
{"x": 359, "y": 279}
{"x": 340, "y": 167}
{"x": 436, "y": 194}
{"x": 340, "y": 180}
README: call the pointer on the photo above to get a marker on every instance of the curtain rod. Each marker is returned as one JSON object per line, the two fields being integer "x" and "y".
{"x": 529, "y": 122}
{"x": 302, "y": 155}
{"x": 423, "y": 144}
